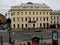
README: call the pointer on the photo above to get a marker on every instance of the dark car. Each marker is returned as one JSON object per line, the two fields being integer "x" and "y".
{"x": 38, "y": 30}
{"x": 2, "y": 27}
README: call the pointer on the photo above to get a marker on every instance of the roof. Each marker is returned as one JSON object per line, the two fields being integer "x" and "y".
{"x": 29, "y": 3}
{"x": 55, "y": 12}
{"x": 2, "y": 15}
{"x": 31, "y": 6}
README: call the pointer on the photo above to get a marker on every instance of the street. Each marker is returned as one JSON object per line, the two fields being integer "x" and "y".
{"x": 26, "y": 35}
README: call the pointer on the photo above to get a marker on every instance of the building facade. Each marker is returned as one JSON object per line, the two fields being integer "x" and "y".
{"x": 55, "y": 19}
{"x": 2, "y": 18}
{"x": 31, "y": 15}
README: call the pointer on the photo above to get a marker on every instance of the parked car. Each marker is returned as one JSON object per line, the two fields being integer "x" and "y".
{"x": 2, "y": 27}
{"x": 38, "y": 30}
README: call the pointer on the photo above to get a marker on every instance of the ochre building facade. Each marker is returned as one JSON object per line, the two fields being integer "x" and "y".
{"x": 30, "y": 15}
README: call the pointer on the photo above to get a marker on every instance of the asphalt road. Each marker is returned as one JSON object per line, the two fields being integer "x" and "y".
{"x": 26, "y": 35}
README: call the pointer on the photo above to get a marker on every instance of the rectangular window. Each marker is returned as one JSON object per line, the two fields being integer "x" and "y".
{"x": 25, "y": 19}
{"x": 25, "y": 13}
{"x": 40, "y": 13}
{"x": 57, "y": 17}
{"x": 13, "y": 13}
{"x": 17, "y": 13}
{"x": 51, "y": 22}
{"x": 29, "y": 19}
{"x": 37, "y": 18}
{"x": 54, "y": 17}
{"x": 40, "y": 18}
{"x": 47, "y": 18}
{"x": 18, "y": 26}
{"x": 40, "y": 25}
{"x": 22, "y": 19}
{"x": 47, "y": 13}
{"x": 26, "y": 25}
{"x": 17, "y": 19}
{"x": 21, "y": 13}
{"x": 51, "y": 17}
{"x": 44, "y": 13}
{"x": 54, "y": 22}
{"x": 44, "y": 19}
{"x": 29, "y": 13}
{"x": 33, "y": 13}
{"x": 36, "y": 13}
{"x": 13, "y": 19}
{"x": 57, "y": 22}
{"x": 33, "y": 18}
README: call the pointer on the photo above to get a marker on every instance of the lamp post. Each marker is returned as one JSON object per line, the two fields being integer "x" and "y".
{"x": 8, "y": 21}
{"x": 1, "y": 40}
{"x": 9, "y": 30}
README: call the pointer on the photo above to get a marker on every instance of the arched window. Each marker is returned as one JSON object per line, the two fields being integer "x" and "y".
{"x": 26, "y": 25}
{"x": 33, "y": 25}
{"x": 13, "y": 25}
{"x": 18, "y": 26}
{"x": 22, "y": 26}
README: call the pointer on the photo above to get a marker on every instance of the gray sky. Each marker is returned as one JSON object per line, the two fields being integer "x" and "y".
{"x": 6, "y": 4}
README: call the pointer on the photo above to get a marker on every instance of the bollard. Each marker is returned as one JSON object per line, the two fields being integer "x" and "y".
{"x": 41, "y": 40}
{"x": 13, "y": 42}
{"x": 1, "y": 40}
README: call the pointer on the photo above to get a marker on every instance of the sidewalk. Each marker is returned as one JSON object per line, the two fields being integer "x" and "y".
{"x": 48, "y": 41}
{"x": 16, "y": 43}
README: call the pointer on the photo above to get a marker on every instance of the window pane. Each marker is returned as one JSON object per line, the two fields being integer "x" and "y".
{"x": 22, "y": 19}
{"x": 47, "y": 13}
{"x": 17, "y": 13}
{"x": 13, "y": 13}
{"x": 36, "y": 13}
{"x": 17, "y": 19}
{"x": 40, "y": 18}
{"x": 25, "y": 19}
{"x": 33, "y": 13}
{"x": 18, "y": 26}
{"x": 44, "y": 13}
{"x": 29, "y": 13}
{"x": 13, "y": 19}
{"x": 21, "y": 13}
{"x": 37, "y": 18}
{"x": 25, "y": 13}
{"x": 40, "y": 13}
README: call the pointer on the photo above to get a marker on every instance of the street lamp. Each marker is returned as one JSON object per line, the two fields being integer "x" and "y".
{"x": 8, "y": 21}
{"x": 1, "y": 40}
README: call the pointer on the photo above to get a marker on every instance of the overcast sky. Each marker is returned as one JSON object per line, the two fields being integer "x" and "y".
{"x": 6, "y": 4}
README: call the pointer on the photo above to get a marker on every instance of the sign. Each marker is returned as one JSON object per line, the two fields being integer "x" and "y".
{"x": 54, "y": 38}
